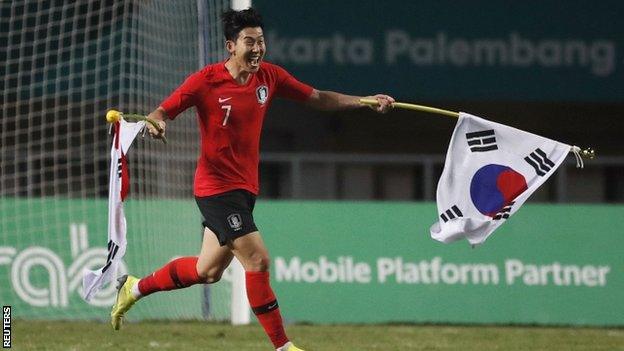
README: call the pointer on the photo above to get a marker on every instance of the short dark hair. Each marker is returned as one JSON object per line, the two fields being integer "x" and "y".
{"x": 235, "y": 21}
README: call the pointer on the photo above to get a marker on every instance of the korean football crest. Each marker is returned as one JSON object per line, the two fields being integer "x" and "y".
{"x": 262, "y": 93}
{"x": 235, "y": 221}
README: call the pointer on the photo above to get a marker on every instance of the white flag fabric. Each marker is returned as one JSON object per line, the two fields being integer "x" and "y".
{"x": 490, "y": 171}
{"x": 92, "y": 281}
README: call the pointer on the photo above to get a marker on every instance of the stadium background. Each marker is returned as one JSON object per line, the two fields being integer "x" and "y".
{"x": 362, "y": 184}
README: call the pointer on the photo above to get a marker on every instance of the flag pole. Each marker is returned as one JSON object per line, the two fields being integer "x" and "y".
{"x": 413, "y": 107}
{"x": 587, "y": 153}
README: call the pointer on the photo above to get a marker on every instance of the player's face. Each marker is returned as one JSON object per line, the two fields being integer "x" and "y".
{"x": 249, "y": 49}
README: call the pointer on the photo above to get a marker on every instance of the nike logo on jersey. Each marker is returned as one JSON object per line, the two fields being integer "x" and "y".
{"x": 224, "y": 100}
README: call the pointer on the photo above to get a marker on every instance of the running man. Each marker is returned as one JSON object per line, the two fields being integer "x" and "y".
{"x": 231, "y": 99}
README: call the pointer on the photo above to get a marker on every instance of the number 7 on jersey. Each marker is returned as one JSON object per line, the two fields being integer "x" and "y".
{"x": 227, "y": 109}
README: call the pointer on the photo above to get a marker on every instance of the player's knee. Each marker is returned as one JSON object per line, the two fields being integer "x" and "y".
{"x": 259, "y": 263}
{"x": 209, "y": 274}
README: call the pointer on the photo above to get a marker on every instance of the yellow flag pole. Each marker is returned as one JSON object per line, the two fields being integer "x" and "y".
{"x": 413, "y": 107}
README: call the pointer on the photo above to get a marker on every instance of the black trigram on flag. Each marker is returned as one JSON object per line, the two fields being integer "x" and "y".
{"x": 112, "y": 252}
{"x": 538, "y": 160}
{"x": 119, "y": 167}
{"x": 504, "y": 212}
{"x": 451, "y": 213}
{"x": 482, "y": 141}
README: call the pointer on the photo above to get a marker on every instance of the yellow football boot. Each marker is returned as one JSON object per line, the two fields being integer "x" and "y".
{"x": 124, "y": 301}
{"x": 289, "y": 346}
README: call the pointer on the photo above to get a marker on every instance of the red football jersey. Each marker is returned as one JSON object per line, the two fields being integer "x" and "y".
{"x": 230, "y": 119}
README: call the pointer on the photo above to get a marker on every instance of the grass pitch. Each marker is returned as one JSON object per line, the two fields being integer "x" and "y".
{"x": 91, "y": 336}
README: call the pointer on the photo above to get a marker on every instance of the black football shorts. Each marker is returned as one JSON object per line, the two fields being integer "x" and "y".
{"x": 228, "y": 215}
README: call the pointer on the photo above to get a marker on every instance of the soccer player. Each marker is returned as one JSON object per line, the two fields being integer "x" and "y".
{"x": 231, "y": 99}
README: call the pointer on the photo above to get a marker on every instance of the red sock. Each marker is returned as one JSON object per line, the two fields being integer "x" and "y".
{"x": 177, "y": 274}
{"x": 264, "y": 305}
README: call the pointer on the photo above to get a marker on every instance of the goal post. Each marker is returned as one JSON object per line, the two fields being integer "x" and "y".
{"x": 212, "y": 49}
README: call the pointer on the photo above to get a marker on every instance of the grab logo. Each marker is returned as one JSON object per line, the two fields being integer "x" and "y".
{"x": 61, "y": 280}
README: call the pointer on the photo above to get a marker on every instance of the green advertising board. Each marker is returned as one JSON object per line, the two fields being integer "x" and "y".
{"x": 375, "y": 262}
{"x": 491, "y": 50}
{"x": 333, "y": 262}
{"x": 48, "y": 242}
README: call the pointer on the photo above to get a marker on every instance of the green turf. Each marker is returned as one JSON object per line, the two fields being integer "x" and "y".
{"x": 194, "y": 336}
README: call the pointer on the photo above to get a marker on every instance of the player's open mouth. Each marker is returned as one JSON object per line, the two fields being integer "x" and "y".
{"x": 254, "y": 62}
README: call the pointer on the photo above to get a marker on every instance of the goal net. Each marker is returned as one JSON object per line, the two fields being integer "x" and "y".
{"x": 63, "y": 65}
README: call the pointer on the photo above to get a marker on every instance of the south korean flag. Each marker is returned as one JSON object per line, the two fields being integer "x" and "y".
{"x": 490, "y": 171}
{"x": 118, "y": 187}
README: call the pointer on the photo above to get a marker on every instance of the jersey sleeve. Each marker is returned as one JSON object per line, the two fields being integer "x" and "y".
{"x": 183, "y": 97}
{"x": 290, "y": 88}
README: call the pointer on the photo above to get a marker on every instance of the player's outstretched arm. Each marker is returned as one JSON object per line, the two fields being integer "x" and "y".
{"x": 159, "y": 115}
{"x": 332, "y": 101}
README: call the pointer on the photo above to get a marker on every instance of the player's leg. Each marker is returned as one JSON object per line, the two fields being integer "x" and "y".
{"x": 254, "y": 256}
{"x": 177, "y": 274}
{"x": 186, "y": 271}
{"x": 213, "y": 258}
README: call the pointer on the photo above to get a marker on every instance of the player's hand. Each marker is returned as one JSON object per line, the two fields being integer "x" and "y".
{"x": 385, "y": 103}
{"x": 154, "y": 132}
